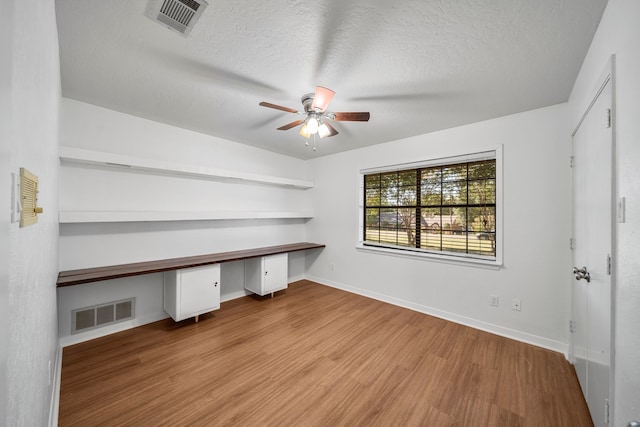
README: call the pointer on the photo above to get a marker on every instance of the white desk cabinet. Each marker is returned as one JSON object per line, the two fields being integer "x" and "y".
{"x": 267, "y": 274}
{"x": 190, "y": 292}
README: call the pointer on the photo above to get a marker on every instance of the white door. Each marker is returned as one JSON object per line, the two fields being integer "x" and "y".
{"x": 592, "y": 289}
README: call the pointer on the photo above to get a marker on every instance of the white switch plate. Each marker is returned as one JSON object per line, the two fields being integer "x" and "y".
{"x": 621, "y": 209}
{"x": 493, "y": 300}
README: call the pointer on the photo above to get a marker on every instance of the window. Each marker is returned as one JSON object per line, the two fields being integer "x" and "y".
{"x": 448, "y": 207}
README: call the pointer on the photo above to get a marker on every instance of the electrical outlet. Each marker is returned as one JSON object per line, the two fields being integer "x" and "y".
{"x": 493, "y": 300}
{"x": 515, "y": 304}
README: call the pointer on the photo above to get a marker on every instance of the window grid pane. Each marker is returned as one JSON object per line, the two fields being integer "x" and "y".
{"x": 448, "y": 208}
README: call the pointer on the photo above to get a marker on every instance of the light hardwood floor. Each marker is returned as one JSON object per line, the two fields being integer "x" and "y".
{"x": 315, "y": 356}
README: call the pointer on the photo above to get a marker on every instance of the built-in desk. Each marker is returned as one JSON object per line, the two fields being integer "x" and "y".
{"x": 97, "y": 274}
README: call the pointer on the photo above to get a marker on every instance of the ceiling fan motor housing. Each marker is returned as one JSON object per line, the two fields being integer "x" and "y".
{"x": 315, "y": 117}
{"x": 307, "y": 101}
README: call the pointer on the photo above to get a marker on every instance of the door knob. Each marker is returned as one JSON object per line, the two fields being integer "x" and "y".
{"x": 582, "y": 273}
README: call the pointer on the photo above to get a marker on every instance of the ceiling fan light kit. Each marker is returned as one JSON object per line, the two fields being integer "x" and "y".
{"x": 316, "y": 116}
{"x": 312, "y": 125}
{"x": 323, "y": 130}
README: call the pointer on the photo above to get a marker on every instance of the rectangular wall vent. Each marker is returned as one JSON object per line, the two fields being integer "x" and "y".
{"x": 28, "y": 198}
{"x": 85, "y": 319}
{"x": 177, "y": 15}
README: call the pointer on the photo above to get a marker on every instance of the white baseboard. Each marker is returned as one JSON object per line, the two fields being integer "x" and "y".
{"x": 297, "y": 278}
{"x": 234, "y": 295}
{"x": 244, "y": 293}
{"x": 55, "y": 389}
{"x": 538, "y": 341}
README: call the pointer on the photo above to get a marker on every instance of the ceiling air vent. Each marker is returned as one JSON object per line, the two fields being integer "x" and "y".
{"x": 177, "y": 15}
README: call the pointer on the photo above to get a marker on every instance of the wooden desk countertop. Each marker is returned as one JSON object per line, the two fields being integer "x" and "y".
{"x": 97, "y": 274}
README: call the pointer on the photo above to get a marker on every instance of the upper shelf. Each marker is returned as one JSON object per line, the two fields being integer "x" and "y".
{"x": 79, "y": 155}
{"x": 76, "y": 217}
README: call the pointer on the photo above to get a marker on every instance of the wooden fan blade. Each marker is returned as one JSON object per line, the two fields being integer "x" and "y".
{"x": 351, "y": 117}
{"x": 322, "y": 98}
{"x": 332, "y": 130}
{"x": 291, "y": 125}
{"x": 278, "y": 107}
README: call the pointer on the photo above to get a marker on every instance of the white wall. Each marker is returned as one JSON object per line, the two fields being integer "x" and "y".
{"x": 619, "y": 34}
{"x": 536, "y": 230}
{"x": 30, "y": 96}
{"x": 6, "y": 49}
{"x": 91, "y": 188}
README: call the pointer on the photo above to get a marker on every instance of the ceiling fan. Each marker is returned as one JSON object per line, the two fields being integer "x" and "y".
{"x": 316, "y": 118}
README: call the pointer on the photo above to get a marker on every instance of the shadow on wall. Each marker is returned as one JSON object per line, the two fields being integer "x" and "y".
{"x": 83, "y": 229}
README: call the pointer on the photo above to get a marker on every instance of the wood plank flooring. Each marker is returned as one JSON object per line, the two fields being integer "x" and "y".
{"x": 315, "y": 356}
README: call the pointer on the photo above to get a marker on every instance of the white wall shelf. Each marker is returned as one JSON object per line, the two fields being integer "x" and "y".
{"x": 90, "y": 157}
{"x": 75, "y": 217}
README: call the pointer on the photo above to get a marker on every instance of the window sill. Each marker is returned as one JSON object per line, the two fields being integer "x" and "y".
{"x": 425, "y": 256}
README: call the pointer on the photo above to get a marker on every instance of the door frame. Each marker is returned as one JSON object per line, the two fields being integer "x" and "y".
{"x": 607, "y": 76}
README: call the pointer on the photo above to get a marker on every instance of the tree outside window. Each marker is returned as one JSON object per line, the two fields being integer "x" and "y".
{"x": 447, "y": 208}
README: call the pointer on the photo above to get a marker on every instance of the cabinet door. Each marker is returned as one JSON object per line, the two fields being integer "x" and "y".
{"x": 199, "y": 290}
{"x": 275, "y": 272}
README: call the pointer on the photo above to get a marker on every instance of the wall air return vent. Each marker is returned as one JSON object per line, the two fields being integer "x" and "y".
{"x": 85, "y": 319}
{"x": 177, "y": 15}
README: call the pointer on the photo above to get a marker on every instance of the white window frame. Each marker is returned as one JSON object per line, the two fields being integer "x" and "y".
{"x": 446, "y": 257}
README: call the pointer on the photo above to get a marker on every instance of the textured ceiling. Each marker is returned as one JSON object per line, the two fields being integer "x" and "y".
{"x": 416, "y": 65}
